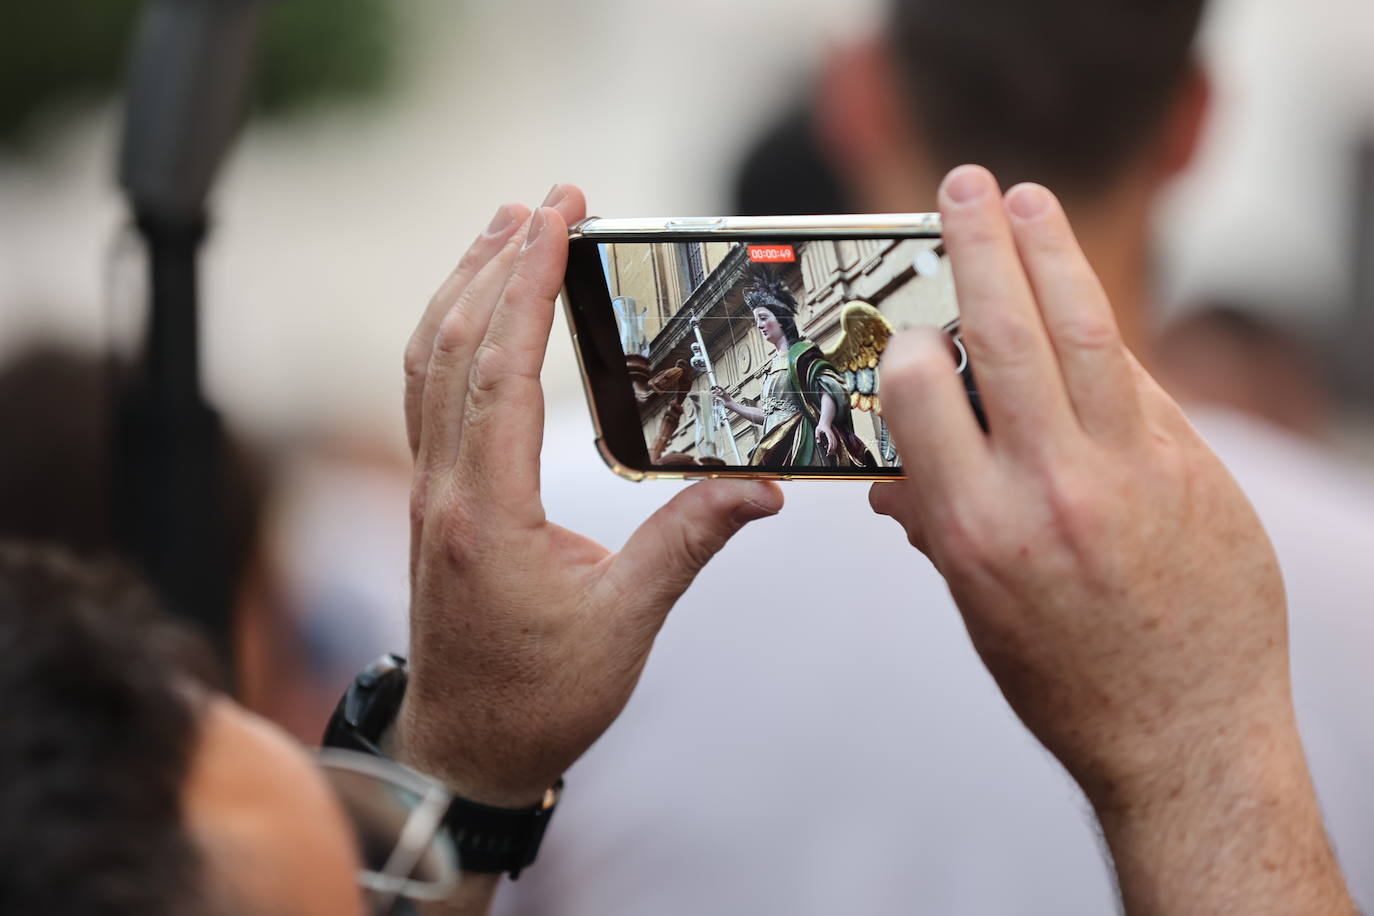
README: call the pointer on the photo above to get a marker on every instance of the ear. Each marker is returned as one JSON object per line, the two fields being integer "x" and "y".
{"x": 862, "y": 121}
{"x": 1185, "y": 122}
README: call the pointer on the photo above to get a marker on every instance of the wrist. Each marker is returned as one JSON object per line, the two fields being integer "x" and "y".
{"x": 1265, "y": 768}
{"x": 1191, "y": 762}
{"x": 1239, "y": 820}
{"x": 419, "y": 742}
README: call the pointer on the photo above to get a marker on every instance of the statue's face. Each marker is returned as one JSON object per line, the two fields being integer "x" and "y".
{"x": 768, "y": 326}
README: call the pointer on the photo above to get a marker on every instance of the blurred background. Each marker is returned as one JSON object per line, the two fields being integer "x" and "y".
{"x": 383, "y": 133}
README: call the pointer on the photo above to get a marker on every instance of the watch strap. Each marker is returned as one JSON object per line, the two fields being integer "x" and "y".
{"x": 486, "y": 838}
{"x": 490, "y": 839}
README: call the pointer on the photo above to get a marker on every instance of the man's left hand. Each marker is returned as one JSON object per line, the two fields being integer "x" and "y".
{"x": 526, "y": 638}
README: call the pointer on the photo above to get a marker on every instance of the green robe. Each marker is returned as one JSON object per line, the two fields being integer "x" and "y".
{"x": 791, "y": 405}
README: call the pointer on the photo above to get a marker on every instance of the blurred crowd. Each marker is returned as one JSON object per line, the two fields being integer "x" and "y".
{"x": 335, "y": 217}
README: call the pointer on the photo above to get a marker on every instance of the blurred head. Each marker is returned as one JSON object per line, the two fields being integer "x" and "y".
{"x": 1080, "y": 95}
{"x": 1230, "y": 355}
{"x": 128, "y": 786}
{"x": 54, "y": 479}
{"x": 1101, "y": 100}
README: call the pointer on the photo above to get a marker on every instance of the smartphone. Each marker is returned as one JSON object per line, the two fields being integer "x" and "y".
{"x": 749, "y": 346}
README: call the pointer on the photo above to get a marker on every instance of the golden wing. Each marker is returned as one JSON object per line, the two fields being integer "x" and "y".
{"x": 863, "y": 335}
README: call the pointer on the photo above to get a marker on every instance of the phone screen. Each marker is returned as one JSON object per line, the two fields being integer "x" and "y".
{"x": 764, "y": 355}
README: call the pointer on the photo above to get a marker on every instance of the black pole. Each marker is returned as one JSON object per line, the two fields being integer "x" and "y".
{"x": 169, "y": 481}
{"x": 188, "y": 79}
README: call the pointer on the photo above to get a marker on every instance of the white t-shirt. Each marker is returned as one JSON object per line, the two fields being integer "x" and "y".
{"x": 814, "y": 733}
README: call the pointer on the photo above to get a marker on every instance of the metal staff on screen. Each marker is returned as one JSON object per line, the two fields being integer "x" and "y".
{"x": 701, "y": 361}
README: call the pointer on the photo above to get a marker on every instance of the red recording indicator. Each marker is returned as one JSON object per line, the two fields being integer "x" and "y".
{"x": 772, "y": 254}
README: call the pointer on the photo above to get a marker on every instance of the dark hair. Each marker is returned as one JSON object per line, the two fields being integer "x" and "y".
{"x": 1057, "y": 91}
{"x": 56, "y": 403}
{"x": 100, "y": 724}
{"x": 785, "y": 171}
{"x": 768, "y": 292}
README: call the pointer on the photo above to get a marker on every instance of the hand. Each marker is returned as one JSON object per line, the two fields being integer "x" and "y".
{"x": 526, "y": 638}
{"x": 1111, "y": 574}
{"x": 718, "y": 396}
{"x": 825, "y": 438}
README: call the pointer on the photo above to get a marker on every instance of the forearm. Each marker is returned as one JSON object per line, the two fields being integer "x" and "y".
{"x": 417, "y": 742}
{"x": 827, "y": 410}
{"x": 1238, "y": 832}
{"x": 752, "y": 414}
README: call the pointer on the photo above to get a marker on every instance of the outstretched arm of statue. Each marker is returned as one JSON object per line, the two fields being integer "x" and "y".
{"x": 752, "y": 414}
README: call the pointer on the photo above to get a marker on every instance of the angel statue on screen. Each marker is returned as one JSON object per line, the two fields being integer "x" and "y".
{"x": 804, "y": 407}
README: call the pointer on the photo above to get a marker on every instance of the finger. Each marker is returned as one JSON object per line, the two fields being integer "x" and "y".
{"x": 504, "y": 412}
{"x": 890, "y": 498}
{"x": 928, "y": 414}
{"x": 1018, "y": 377}
{"x": 460, "y": 334}
{"x": 665, "y": 553}
{"x": 507, "y": 220}
{"x": 1076, "y": 314}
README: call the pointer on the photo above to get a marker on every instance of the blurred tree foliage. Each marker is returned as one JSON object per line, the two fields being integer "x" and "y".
{"x": 311, "y": 50}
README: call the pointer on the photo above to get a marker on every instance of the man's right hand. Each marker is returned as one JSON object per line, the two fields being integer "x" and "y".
{"x": 1111, "y": 574}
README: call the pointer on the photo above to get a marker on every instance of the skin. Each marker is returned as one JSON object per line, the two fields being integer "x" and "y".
{"x": 1112, "y": 576}
{"x": 869, "y": 134}
{"x": 263, "y": 815}
{"x": 526, "y": 638}
{"x": 772, "y": 332}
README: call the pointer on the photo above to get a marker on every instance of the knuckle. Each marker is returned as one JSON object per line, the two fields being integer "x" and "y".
{"x": 1078, "y": 506}
{"x": 1002, "y": 333}
{"x": 490, "y": 367}
{"x": 455, "y": 334}
{"x": 419, "y": 505}
{"x": 968, "y": 540}
{"x": 696, "y": 548}
{"x": 444, "y": 517}
{"x": 1088, "y": 333}
{"x": 416, "y": 359}
{"x": 455, "y": 534}
{"x": 473, "y": 258}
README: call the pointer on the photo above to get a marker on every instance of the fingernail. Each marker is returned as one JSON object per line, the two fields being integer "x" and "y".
{"x": 763, "y": 506}
{"x": 967, "y": 184}
{"x": 1028, "y": 201}
{"x": 501, "y": 221}
{"x": 554, "y": 197}
{"x": 537, "y": 222}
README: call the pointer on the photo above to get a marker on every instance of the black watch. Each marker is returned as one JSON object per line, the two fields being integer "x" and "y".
{"x": 487, "y": 839}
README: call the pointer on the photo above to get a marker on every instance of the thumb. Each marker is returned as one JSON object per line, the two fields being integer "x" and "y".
{"x": 665, "y": 553}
